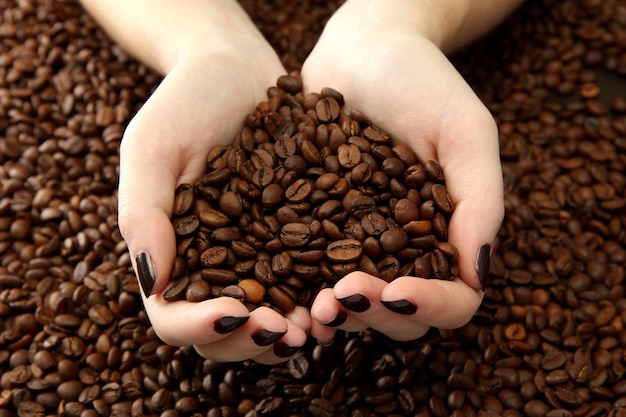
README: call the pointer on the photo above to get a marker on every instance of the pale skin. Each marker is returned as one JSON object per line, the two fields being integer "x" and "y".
{"x": 217, "y": 67}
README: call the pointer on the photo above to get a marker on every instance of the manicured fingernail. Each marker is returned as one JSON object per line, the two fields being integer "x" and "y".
{"x": 482, "y": 265}
{"x": 283, "y": 350}
{"x": 266, "y": 337}
{"x": 401, "y": 307}
{"x": 357, "y": 303}
{"x": 145, "y": 272}
{"x": 339, "y": 319}
{"x": 229, "y": 324}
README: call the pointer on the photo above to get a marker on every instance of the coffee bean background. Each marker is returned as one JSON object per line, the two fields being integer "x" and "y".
{"x": 549, "y": 339}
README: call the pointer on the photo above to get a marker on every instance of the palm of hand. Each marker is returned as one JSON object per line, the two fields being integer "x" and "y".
{"x": 406, "y": 85}
{"x": 165, "y": 145}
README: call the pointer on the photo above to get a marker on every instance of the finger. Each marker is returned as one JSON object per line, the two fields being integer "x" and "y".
{"x": 360, "y": 294}
{"x": 184, "y": 323}
{"x": 436, "y": 303}
{"x": 288, "y": 346}
{"x": 329, "y": 315}
{"x": 264, "y": 328}
{"x": 301, "y": 317}
{"x": 152, "y": 164}
{"x": 471, "y": 166}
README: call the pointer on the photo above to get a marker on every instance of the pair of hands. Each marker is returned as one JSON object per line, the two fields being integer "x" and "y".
{"x": 404, "y": 84}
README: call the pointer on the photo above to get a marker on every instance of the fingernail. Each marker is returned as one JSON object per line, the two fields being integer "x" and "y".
{"x": 145, "y": 273}
{"x": 229, "y": 324}
{"x": 401, "y": 307}
{"x": 283, "y": 350}
{"x": 357, "y": 303}
{"x": 339, "y": 319}
{"x": 482, "y": 265}
{"x": 266, "y": 337}
{"x": 328, "y": 344}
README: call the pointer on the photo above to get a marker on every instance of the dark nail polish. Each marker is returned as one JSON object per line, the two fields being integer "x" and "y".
{"x": 229, "y": 324}
{"x": 401, "y": 307}
{"x": 482, "y": 265}
{"x": 283, "y": 350}
{"x": 357, "y": 303}
{"x": 145, "y": 272}
{"x": 339, "y": 319}
{"x": 266, "y": 337}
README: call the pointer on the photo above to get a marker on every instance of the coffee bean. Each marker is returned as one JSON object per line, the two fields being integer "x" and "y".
{"x": 234, "y": 291}
{"x": 176, "y": 291}
{"x": 281, "y": 299}
{"x": 214, "y": 256}
{"x": 254, "y": 291}
{"x": 30, "y": 409}
{"x": 264, "y": 274}
{"x": 321, "y": 407}
{"x": 289, "y": 83}
{"x": 186, "y": 225}
{"x": 299, "y": 191}
{"x": 393, "y": 240}
{"x": 348, "y": 155}
{"x": 556, "y": 265}
{"x": 184, "y": 199}
{"x": 376, "y": 135}
{"x": 344, "y": 251}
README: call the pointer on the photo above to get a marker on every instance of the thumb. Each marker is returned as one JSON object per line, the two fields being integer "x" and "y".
{"x": 146, "y": 193}
{"x": 152, "y": 163}
{"x": 474, "y": 180}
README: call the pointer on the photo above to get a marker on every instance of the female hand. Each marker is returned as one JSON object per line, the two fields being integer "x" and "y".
{"x": 381, "y": 59}
{"x": 201, "y": 102}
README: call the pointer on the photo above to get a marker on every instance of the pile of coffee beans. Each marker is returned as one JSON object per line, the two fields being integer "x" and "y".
{"x": 304, "y": 195}
{"x": 549, "y": 339}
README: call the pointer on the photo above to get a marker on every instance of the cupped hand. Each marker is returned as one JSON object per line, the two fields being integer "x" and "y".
{"x": 386, "y": 67}
{"x": 200, "y": 103}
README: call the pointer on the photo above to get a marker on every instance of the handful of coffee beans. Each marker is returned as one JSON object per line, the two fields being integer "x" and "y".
{"x": 304, "y": 195}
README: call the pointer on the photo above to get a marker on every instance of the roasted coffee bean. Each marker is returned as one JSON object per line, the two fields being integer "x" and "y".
{"x": 281, "y": 299}
{"x": 198, "y": 291}
{"x": 393, "y": 240}
{"x": 295, "y": 235}
{"x": 254, "y": 291}
{"x": 185, "y": 226}
{"x": 234, "y": 291}
{"x": 299, "y": 191}
{"x": 264, "y": 274}
{"x": 184, "y": 199}
{"x": 214, "y": 256}
{"x": 348, "y": 155}
{"x": 344, "y": 251}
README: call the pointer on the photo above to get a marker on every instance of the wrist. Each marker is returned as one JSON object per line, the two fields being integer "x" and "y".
{"x": 162, "y": 33}
{"x": 434, "y": 20}
{"x": 448, "y": 24}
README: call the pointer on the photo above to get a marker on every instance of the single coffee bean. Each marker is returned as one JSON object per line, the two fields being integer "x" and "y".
{"x": 198, "y": 291}
{"x": 299, "y": 191}
{"x": 233, "y": 291}
{"x": 281, "y": 299}
{"x": 186, "y": 225}
{"x": 442, "y": 198}
{"x": 295, "y": 235}
{"x": 177, "y": 290}
{"x": 349, "y": 156}
{"x": 183, "y": 200}
{"x": 344, "y": 251}
{"x": 254, "y": 291}
{"x": 393, "y": 240}
{"x": 327, "y": 109}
